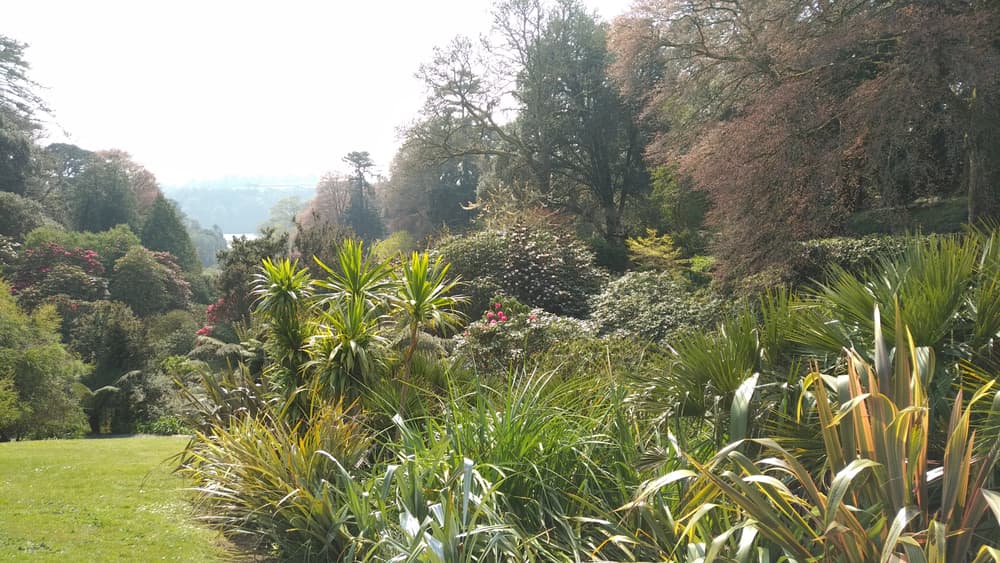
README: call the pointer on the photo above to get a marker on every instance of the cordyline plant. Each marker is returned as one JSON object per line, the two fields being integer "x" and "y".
{"x": 879, "y": 496}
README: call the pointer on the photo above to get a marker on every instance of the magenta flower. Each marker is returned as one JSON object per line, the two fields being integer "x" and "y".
{"x": 489, "y": 315}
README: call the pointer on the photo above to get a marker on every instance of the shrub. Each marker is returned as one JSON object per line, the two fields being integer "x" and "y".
{"x": 543, "y": 268}
{"x": 509, "y": 333}
{"x": 149, "y": 282}
{"x": 854, "y": 255}
{"x": 653, "y": 306}
{"x": 165, "y": 426}
{"x": 110, "y": 245}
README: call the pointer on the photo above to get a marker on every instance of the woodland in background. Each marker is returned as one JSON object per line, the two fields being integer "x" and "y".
{"x": 636, "y": 290}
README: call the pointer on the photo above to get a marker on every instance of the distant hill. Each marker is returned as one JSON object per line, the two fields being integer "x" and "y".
{"x": 238, "y": 204}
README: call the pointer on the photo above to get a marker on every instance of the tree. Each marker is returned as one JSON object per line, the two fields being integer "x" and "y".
{"x": 361, "y": 214}
{"x": 112, "y": 339}
{"x": 18, "y": 123}
{"x": 141, "y": 181}
{"x": 239, "y": 264}
{"x": 425, "y": 194}
{"x": 574, "y": 137}
{"x": 36, "y": 374}
{"x": 793, "y": 115}
{"x": 208, "y": 242}
{"x": 19, "y": 215}
{"x": 164, "y": 230}
{"x": 283, "y": 214}
{"x": 102, "y": 197}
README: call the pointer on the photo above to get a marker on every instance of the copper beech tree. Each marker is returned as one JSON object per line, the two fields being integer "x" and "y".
{"x": 793, "y": 114}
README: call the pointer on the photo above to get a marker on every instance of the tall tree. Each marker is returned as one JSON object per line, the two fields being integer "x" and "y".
{"x": 164, "y": 230}
{"x": 19, "y": 105}
{"x": 792, "y": 115}
{"x": 425, "y": 194}
{"x": 573, "y": 134}
{"x": 102, "y": 197}
{"x": 361, "y": 214}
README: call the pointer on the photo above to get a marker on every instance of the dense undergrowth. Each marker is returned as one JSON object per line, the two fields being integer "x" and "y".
{"x": 854, "y": 420}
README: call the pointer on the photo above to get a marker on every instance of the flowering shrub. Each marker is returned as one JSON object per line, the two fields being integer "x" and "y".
{"x": 653, "y": 306}
{"x": 544, "y": 268}
{"x": 510, "y": 332}
{"x": 36, "y": 263}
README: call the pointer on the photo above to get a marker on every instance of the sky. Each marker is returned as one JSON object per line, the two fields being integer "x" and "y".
{"x": 213, "y": 88}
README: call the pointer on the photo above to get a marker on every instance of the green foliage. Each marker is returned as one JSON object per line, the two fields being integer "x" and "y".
{"x": 36, "y": 374}
{"x": 102, "y": 197}
{"x": 113, "y": 340}
{"x": 542, "y": 267}
{"x": 935, "y": 216}
{"x": 853, "y": 255}
{"x": 164, "y": 426}
{"x": 426, "y": 194}
{"x": 285, "y": 485}
{"x": 63, "y": 281}
{"x": 424, "y": 300}
{"x": 20, "y": 215}
{"x": 110, "y": 245}
{"x": 509, "y": 334}
{"x": 149, "y": 282}
{"x": 654, "y": 306}
{"x": 653, "y": 252}
{"x": 237, "y": 266}
{"x": 674, "y": 207}
{"x": 15, "y": 144}
{"x": 172, "y": 333}
{"x": 399, "y": 243}
{"x": 876, "y": 487}
{"x": 207, "y": 242}
{"x": 164, "y": 230}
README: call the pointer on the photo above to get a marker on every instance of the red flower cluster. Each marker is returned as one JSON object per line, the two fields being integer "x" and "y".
{"x": 36, "y": 263}
{"x": 496, "y": 317}
{"x": 213, "y": 310}
{"x": 204, "y": 331}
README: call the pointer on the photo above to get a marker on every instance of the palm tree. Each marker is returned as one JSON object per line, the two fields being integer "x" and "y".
{"x": 355, "y": 277}
{"x": 422, "y": 299}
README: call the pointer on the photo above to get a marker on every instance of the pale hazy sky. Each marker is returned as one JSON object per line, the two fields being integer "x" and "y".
{"x": 204, "y": 89}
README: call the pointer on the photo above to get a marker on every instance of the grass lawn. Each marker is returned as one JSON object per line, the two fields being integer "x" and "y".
{"x": 110, "y": 499}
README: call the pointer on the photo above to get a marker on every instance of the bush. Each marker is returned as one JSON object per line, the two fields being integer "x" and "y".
{"x": 654, "y": 306}
{"x": 543, "y": 268}
{"x": 164, "y": 426}
{"x": 510, "y": 333}
{"x": 149, "y": 282}
{"x": 110, "y": 245}
{"x": 855, "y": 255}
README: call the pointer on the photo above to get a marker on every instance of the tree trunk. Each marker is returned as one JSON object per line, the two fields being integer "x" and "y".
{"x": 614, "y": 228}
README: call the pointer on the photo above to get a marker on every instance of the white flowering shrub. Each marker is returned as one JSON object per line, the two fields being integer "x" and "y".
{"x": 653, "y": 306}
{"x": 543, "y": 268}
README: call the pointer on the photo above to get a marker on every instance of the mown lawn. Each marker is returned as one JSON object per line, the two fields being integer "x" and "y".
{"x": 111, "y": 499}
